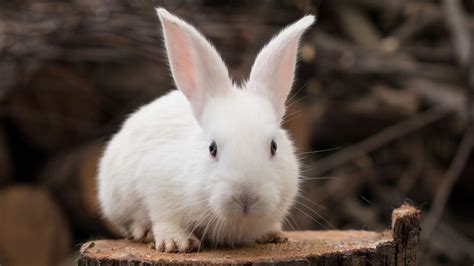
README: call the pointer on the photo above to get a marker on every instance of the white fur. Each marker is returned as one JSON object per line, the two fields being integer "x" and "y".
{"x": 157, "y": 178}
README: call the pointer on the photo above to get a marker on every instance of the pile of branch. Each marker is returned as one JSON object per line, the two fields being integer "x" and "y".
{"x": 380, "y": 112}
{"x": 395, "y": 82}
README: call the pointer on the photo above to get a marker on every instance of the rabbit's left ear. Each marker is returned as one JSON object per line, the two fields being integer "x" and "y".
{"x": 197, "y": 67}
{"x": 274, "y": 68}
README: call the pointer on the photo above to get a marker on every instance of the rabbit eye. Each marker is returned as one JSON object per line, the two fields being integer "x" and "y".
{"x": 273, "y": 147}
{"x": 213, "y": 149}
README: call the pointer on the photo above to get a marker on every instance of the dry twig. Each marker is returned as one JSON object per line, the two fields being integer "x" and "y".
{"x": 460, "y": 33}
{"x": 383, "y": 137}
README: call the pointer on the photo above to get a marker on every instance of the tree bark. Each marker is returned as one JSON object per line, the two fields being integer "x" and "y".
{"x": 397, "y": 246}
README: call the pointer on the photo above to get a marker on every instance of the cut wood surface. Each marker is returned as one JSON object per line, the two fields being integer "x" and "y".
{"x": 397, "y": 246}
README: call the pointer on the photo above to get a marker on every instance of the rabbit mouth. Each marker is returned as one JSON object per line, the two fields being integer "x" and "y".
{"x": 246, "y": 205}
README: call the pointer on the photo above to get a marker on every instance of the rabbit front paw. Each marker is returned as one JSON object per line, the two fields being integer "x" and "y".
{"x": 138, "y": 232}
{"x": 273, "y": 237}
{"x": 171, "y": 239}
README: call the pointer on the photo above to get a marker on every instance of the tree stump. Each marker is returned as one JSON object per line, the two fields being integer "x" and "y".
{"x": 397, "y": 246}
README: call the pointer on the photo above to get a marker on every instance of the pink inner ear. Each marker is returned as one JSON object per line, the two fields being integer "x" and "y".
{"x": 289, "y": 68}
{"x": 285, "y": 73}
{"x": 181, "y": 59}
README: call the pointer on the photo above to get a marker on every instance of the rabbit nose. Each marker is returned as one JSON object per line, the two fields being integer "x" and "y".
{"x": 245, "y": 200}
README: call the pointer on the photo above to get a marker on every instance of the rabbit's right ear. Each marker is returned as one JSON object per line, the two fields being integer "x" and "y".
{"x": 274, "y": 68}
{"x": 197, "y": 68}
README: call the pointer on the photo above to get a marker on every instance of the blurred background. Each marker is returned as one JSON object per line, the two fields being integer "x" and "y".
{"x": 381, "y": 111}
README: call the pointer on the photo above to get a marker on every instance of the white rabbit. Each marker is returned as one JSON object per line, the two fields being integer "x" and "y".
{"x": 208, "y": 161}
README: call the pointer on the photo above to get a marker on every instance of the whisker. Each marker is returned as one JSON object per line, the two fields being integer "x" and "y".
{"x": 292, "y": 116}
{"x": 319, "y": 178}
{"x": 205, "y": 231}
{"x": 288, "y": 115}
{"x": 292, "y": 97}
{"x": 319, "y": 151}
{"x": 311, "y": 217}
{"x": 365, "y": 199}
{"x": 287, "y": 221}
{"x": 295, "y": 222}
{"x": 219, "y": 227}
{"x": 295, "y": 102}
{"x": 312, "y": 202}
{"x": 202, "y": 218}
{"x": 319, "y": 215}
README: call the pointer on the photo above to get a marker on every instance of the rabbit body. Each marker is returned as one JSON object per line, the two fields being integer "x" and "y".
{"x": 209, "y": 161}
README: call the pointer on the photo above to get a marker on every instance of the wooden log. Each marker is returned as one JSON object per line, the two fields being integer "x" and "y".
{"x": 397, "y": 246}
{"x": 71, "y": 179}
{"x": 54, "y": 107}
{"x": 6, "y": 167}
{"x": 33, "y": 230}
